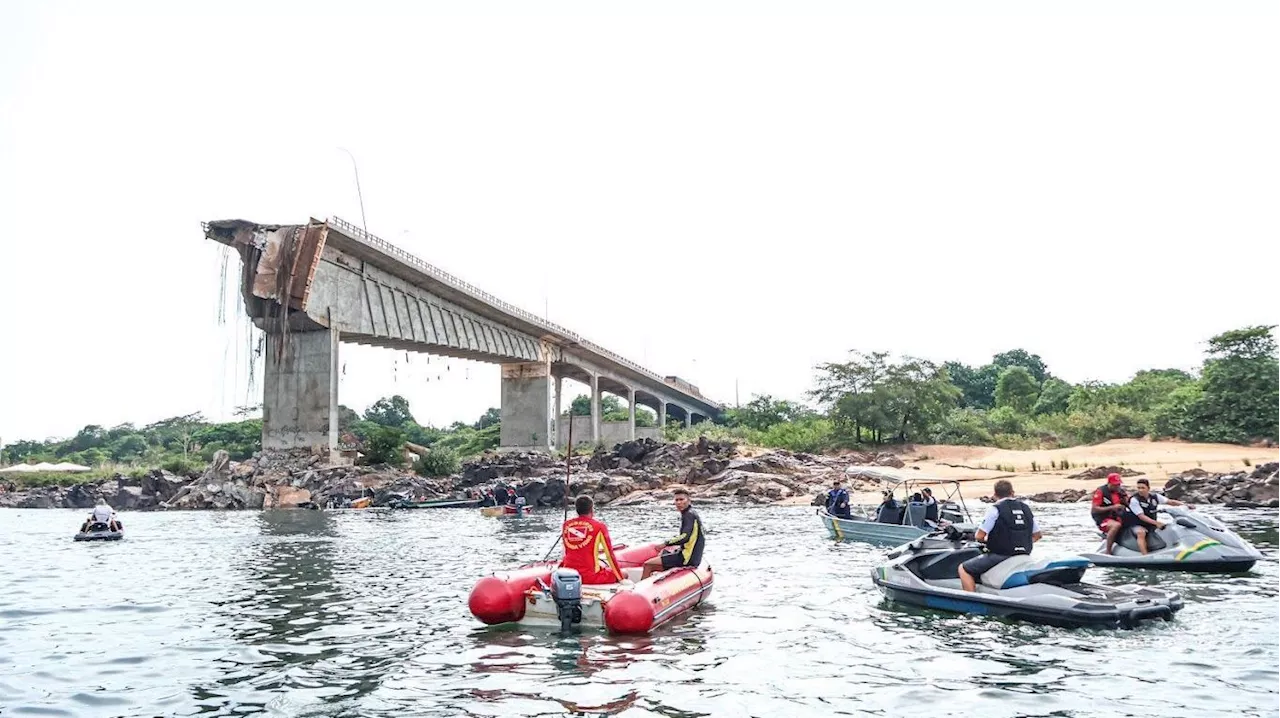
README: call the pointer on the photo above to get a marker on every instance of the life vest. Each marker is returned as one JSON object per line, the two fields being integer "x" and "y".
{"x": 838, "y": 502}
{"x": 1011, "y": 536}
{"x": 1110, "y": 497}
{"x": 1150, "y": 507}
{"x": 589, "y": 551}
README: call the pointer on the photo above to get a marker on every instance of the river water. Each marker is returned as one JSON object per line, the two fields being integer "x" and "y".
{"x": 305, "y": 613}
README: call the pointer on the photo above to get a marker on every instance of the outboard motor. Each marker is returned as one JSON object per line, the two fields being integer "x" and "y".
{"x": 566, "y": 590}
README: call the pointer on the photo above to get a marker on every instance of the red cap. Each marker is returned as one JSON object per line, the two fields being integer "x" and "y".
{"x": 1113, "y": 479}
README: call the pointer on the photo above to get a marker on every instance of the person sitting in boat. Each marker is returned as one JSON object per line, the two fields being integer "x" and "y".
{"x": 689, "y": 543}
{"x": 1109, "y": 504}
{"x": 587, "y": 546}
{"x": 889, "y": 512}
{"x": 1009, "y": 529}
{"x": 1143, "y": 508}
{"x": 102, "y": 513}
{"x": 838, "y": 500}
{"x": 500, "y": 496}
{"x": 930, "y": 506}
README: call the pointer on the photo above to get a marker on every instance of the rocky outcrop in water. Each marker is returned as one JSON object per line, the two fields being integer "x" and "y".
{"x": 1066, "y": 496}
{"x": 1100, "y": 473}
{"x": 1259, "y": 487}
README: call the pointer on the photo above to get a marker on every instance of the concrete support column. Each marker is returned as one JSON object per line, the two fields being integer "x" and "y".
{"x": 688, "y": 418}
{"x": 300, "y": 392}
{"x": 662, "y": 415}
{"x": 560, "y": 430}
{"x": 595, "y": 410}
{"x": 631, "y": 415}
{"x": 526, "y": 407}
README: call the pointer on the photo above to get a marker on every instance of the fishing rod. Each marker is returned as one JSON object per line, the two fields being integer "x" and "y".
{"x": 568, "y": 470}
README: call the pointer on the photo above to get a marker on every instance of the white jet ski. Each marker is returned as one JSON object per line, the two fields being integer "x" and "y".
{"x": 925, "y": 573}
{"x": 1191, "y": 542}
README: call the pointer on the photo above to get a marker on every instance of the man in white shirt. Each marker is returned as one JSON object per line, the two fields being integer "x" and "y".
{"x": 102, "y": 513}
{"x": 1143, "y": 509}
{"x": 1009, "y": 529}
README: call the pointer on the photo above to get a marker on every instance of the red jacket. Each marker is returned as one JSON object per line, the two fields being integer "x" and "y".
{"x": 589, "y": 550}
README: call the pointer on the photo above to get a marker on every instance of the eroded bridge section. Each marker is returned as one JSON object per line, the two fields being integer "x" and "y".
{"x": 312, "y": 286}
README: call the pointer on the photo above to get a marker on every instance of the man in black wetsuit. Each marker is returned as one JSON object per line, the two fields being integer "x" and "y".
{"x": 690, "y": 542}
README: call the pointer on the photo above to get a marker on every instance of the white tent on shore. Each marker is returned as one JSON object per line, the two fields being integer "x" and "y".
{"x": 43, "y": 466}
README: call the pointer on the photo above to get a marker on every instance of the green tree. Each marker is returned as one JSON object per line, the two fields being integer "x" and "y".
{"x": 384, "y": 446}
{"x": 609, "y": 404}
{"x": 1241, "y": 385}
{"x": 763, "y": 411}
{"x": 1017, "y": 389}
{"x": 1054, "y": 396}
{"x": 389, "y": 411}
{"x": 1024, "y": 359}
{"x": 977, "y": 386}
{"x": 489, "y": 418}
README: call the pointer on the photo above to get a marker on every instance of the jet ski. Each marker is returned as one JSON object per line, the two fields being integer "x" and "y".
{"x": 1191, "y": 542}
{"x": 925, "y": 573}
{"x": 99, "y": 531}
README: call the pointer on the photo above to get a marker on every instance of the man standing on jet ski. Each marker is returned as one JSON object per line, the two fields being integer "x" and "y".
{"x": 1109, "y": 506}
{"x": 1143, "y": 508}
{"x": 838, "y": 500}
{"x": 1009, "y": 529}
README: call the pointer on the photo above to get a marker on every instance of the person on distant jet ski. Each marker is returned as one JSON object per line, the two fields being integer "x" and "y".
{"x": 838, "y": 500}
{"x": 1009, "y": 529}
{"x": 102, "y": 513}
{"x": 1109, "y": 505}
{"x": 1143, "y": 508}
{"x": 587, "y": 546}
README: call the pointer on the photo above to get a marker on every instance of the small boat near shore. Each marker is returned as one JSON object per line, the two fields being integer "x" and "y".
{"x": 508, "y": 511}
{"x": 903, "y": 522}
{"x": 434, "y": 504}
{"x": 542, "y": 594}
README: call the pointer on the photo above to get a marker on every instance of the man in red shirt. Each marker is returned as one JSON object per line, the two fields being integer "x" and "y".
{"x": 1108, "y": 509}
{"x": 587, "y": 546}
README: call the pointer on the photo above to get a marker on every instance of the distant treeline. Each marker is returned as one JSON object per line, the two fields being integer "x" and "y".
{"x": 1013, "y": 402}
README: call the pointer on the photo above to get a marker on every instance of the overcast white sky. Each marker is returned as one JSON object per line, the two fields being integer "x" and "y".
{"x": 726, "y": 197}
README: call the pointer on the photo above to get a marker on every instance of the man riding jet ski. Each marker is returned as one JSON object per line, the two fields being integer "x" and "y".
{"x": 1191, "y": 542}
{"x": 926, "y": 572}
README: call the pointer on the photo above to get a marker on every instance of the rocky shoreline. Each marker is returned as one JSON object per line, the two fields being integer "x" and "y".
{"x": 1257, "y": 488}
{"x": 633, "y": 472}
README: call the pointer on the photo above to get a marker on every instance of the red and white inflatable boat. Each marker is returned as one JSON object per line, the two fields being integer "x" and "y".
{"x": 526, "y": 595}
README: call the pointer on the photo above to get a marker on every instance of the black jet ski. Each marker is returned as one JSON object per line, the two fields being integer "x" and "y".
{"x": 1191, "y": 542}
{"x": 924, "y": 572}
{"x": 99, "y": 531}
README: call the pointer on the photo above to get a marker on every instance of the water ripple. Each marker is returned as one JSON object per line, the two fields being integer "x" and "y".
{"x": 313, "y": 614}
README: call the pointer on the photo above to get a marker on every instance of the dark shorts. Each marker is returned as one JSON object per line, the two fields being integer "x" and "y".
{"x": 979, "y": 565}
{"x": 673, "y": 560}
{"x": 1131, "y": 521}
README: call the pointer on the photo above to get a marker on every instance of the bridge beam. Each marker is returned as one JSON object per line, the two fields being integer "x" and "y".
{"x": 300, "y": 392}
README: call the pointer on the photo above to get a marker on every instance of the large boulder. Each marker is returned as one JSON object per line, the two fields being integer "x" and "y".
{"x": 1100, "y": 473}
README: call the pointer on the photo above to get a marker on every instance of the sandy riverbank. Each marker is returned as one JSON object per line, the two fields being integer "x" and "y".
{"x": 978, "y": 467}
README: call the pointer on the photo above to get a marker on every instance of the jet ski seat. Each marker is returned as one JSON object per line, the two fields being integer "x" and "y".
{"x": 1129, "y": 540}
{"x": 1026, "y": 570}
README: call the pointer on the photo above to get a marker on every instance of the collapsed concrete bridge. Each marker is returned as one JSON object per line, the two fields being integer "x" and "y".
{"x": 312, "y": 286}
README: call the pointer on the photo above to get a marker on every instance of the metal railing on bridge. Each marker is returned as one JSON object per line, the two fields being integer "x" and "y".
{"x": 444, "y": 277}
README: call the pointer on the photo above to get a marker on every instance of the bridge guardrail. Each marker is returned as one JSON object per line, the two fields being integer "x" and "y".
{"x": 435, "y": 272}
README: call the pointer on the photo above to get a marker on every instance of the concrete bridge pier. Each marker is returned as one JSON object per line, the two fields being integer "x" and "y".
{"x": 526, "y": 406}
{"x": 300, "y": 391}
